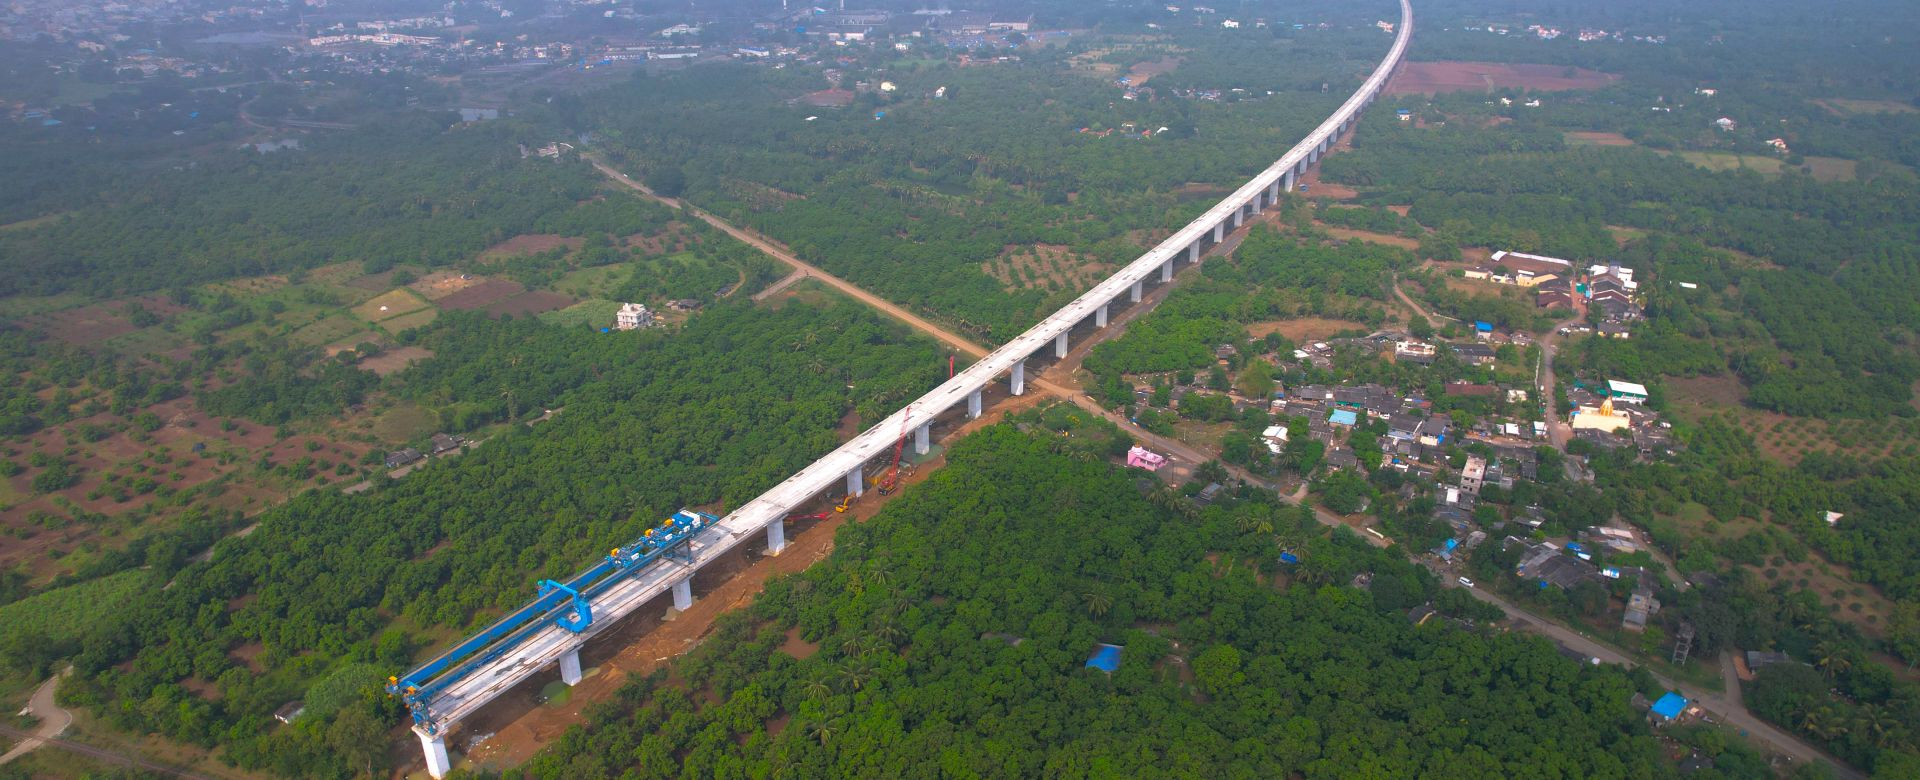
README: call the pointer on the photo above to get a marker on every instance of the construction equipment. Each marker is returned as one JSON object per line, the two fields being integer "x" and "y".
{"x": 845, "y": 501}
{"x": 568, "y": 605}
{"x": 803, "y": 516}
{"x": 892, "y": 478}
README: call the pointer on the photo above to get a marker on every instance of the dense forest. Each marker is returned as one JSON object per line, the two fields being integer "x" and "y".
{"x": 410, "y": 189}
{"x": 334, "y": 590}
{"x": 932, "y": 663}
{"x": 915, "y": 204}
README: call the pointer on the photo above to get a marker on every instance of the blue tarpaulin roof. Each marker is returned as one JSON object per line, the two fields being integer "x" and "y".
{"x": 1670, "y": 705}
{"x": 1106, "y": 658}
{"x": 1343, "y": 417}
{"x": 1484, "y": 327}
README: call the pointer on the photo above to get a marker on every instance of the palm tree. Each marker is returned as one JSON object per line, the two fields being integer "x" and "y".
{"x": 1876, "y": 725}
{"x": 856, "y": 676}
{"x": 1256, "y": 522}
{"x": 1821, "y": 722}
{"x": 1098, "y": 602}
{"x": 818, "y": 688}
{"x": 822, "y": 730}
{"x": 1832, "y": 660}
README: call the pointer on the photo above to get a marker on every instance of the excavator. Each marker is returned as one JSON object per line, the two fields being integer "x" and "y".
{"x": 845, "y": 501}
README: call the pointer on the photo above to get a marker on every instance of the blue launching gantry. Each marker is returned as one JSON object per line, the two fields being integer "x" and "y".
{"x": 568, "y": 605}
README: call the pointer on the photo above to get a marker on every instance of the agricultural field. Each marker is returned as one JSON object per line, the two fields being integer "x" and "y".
{"x": 389, "y": 305}
{"x": 1595, "y": 138}
{"x": 1426, "y": 78}
{"x": 1855, "y": 106}
{"x": 1049, "y": 267}
{"x": 1788, "y": 439}
{"x": 591, "y": 313}
{"x": 69, "y": 613}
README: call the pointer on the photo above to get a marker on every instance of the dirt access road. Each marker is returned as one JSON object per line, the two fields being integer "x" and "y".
{"x": 53, "y": 720}
{"x": 1728, "y": 706}
{"x": 780, "y": 253}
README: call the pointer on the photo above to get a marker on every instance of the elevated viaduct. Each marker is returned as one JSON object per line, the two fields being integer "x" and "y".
{"x": 552, "y": 642}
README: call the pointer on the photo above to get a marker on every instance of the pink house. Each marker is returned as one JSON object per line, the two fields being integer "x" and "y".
{"x": 1141, "y": 457}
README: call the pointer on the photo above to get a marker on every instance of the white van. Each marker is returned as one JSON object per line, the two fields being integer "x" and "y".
{"x": 1466, "y": 582}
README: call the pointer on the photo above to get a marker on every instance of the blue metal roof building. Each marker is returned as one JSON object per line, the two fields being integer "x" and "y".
{"x": 1105, "y": 657}
{"x": 1670, "y": 706}
{"x": 1343, "y": 417}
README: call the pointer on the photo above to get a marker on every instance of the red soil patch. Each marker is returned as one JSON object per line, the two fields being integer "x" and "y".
{"x": 529, "y": 244}
{"x": 83, "y": 325}
{"x": 1145, "y": 71}
{"x": 184, "y": 426}
{"x": 393, "y": 360}
{"x": 441, "y": 284}
{"x": 532, "y": 302}
{"x": 1426, "y": 78}
{"x": 797, "y": 647}
{"x": 482, "y": 295}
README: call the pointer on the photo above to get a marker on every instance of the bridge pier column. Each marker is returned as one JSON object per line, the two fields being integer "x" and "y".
{"x": 1219, "y": 232}
{"x": 1193, "y": 251}
{"x": 1259, "y": 198}
{"x": 1133, "y": 293}
{"x": 776, "y": 537}
{"x": 683, "y": 594}
{"x": 973, "y": 405}
{"x": 1060, "y": 346}
{"x": 1313, "y": 155}
{"x": 1020, "y": 378}
{"x": 1238, "y": 215}
{"x": 436, "y": 749}
{"x": 1273, "y": 194}
{"x": 922, "y": 439}
{"x": 1288, "y": 180}
{"x": 570, "y": 667}
{"x": 1100, "y": 316}
{"x": 1166, "y": 272}
{"x": 856, "y": 483}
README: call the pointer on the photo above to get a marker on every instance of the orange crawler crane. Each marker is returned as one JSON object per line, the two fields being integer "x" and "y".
{"x": 892, "y": 478}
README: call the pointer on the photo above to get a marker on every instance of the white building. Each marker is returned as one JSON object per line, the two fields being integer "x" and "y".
{"x": 632, "y": 316}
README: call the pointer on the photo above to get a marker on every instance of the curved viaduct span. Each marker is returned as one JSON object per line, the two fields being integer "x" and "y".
{"x": 846, "y": 465}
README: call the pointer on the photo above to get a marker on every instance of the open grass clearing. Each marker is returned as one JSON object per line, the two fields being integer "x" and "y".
{"x": 403, "y": 422}
{"x": 598, "y": 282}
{"x": 593, "y": 313}
{"x": 1859, "y": 106}
{"x": 1596, "y": 138}
{"x": 1728, "y": 161}
{"x": 411, "y": 320}
{"x": 1302, "y": 330}
{"x": 394, "y": 360}
{"x": 1369, "y": 236}
{"x": 389, "y": 305}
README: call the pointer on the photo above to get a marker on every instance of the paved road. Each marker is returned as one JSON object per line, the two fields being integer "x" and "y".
{"x": 1727, "y": 706}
